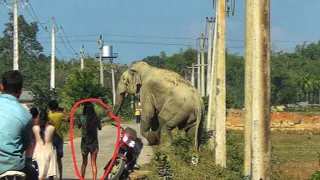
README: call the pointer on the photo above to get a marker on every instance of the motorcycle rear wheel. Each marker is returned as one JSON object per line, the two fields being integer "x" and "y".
{"x": 116, "y": 170}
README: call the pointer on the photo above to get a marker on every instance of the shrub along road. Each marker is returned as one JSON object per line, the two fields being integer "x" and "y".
{"x": 107, "y": 140}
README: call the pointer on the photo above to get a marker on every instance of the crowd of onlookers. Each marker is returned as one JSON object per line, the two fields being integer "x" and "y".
{"x": 36, "y": 135}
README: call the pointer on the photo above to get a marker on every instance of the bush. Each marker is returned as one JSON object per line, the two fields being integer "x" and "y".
{"x": 181, "y": 146}
{"x": 179, "y": 156}
{"x": 316, "y": 175}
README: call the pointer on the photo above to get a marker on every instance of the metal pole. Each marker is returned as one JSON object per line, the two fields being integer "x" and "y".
{"x": 202, "y": 66}
{"x": 15, "y": 36}
{"x": 248, "y": 89}
{"x": 199, "y": 76}
{"x": 261, "y": 90}
{"x": 220, "y": 153}
{"x": 209, "y": 55}
{"x": 53, "y": 49}
{"x": 81, "y": 56}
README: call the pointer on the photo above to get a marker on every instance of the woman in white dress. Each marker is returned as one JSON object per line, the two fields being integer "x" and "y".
{"x": 45, "y": 153}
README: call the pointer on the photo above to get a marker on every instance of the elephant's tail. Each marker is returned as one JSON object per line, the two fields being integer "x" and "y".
{"x": 198, "y": 131}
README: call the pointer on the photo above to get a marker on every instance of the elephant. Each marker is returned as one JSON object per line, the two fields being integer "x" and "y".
{"x": 167, "y": 100}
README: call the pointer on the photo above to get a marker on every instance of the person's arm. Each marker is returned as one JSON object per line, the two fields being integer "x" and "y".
{"x": 99, "y": 124}
{"x": 78, "y": 121}
{"x": 67, "y": 118}
{"x": 26, "y": 135}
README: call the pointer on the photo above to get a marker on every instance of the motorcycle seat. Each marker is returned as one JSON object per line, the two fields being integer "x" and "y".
{"x": 13, "y": 173}
{"x": 131, "y": 132}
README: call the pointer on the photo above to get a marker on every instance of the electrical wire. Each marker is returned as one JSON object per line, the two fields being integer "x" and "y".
{"x": 67, "y": 39}
{"x": 131, "y": 36}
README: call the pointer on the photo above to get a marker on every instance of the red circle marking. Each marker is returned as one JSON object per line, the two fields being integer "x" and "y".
{"x": 71, "y": 135}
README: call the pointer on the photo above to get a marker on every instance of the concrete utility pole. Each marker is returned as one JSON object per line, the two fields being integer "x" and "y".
{"x": 82, "y": 57}
{"x": 211, "y": 120}
{"x": 209, "y": 59}
{"x": 248, "y": 89}
{"x": 113, "y": 83}
{"x": 15, "y": 36}
{"x": 53, "y": 54}
{"x": 260, "y": 89}
{"x": 202, "y": 66}
{"x": 192, "y": 74}
{"x": 100, "y": 43}
{"x": 198, "y": 74}
{"x": 220, "y": 149}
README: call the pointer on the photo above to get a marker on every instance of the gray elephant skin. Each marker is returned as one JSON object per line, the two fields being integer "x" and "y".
{"x": 167, "y": 100}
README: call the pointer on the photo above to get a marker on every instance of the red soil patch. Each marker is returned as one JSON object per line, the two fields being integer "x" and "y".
{"x": 298, "y": 120}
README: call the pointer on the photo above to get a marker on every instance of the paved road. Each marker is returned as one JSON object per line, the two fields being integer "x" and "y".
{"x": 107, "y": 138}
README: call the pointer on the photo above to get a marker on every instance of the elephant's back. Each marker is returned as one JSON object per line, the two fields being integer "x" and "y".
{"x": 174, "y": 79}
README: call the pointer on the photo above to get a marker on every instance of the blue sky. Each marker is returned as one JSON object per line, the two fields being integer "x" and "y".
{"x": 291, "y": 23}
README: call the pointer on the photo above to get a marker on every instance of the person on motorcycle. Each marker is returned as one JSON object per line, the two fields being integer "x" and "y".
{"x": 15, "y": 127}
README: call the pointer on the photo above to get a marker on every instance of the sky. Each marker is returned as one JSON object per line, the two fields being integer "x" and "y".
{"x": 141, "y": 28}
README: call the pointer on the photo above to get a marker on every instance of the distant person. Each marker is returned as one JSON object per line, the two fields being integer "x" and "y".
{"x": 45, "y": 153}
{"x": 15, "y": 127}
{"x": 35, "y": 118}
{"x": 57, "y": 117}
{"x": 89, "y": 122}
{"x": 138, "y": 113}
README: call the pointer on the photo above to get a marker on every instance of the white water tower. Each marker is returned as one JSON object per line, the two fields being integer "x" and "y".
{"x": 107, "y": 53}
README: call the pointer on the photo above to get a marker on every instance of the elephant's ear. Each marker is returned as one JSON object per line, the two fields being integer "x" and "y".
{"x": 136, "y": 77}
{"x": 122, "y": 86}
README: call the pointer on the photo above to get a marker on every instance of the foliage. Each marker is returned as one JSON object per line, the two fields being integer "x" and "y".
{"x": 42, "y": 95}
{"x": 206, "y": 102}
{"x": 81, "y": 85}
{"x": 179, "y": 156}
{"x": 316, "y": 175}
{"x": 235, "y": 155}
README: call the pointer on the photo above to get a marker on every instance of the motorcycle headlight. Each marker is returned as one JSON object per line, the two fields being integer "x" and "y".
{"x": 128, "y": 141}
{"x": 131, "y": 143}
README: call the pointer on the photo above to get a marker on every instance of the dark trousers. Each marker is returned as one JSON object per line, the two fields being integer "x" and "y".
{"x": 30, "y": 171}
{"x": 138, "y": 118}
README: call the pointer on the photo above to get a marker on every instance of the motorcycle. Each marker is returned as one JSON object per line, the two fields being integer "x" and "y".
{"x": 129, "y": 150}
{"x": 18, "y": 175}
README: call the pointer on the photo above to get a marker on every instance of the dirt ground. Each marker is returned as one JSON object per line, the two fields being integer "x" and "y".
{"x": 295, "y": 140}
{"x": 279, "y": 120}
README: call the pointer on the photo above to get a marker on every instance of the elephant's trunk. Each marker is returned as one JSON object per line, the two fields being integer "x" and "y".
{"x": 119, "y": 102}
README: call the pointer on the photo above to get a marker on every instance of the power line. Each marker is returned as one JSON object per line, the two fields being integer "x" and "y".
{"x": 61, "y": 37}
{"x": 67, "y": 39}
{"x": 125, "y": 42}
{"x": 186, "y": 38}
{"x": 119, "y": 35}
{"x": 35, "y": 17}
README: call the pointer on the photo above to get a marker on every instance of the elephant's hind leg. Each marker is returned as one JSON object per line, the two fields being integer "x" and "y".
{"x": 168, "y": 121}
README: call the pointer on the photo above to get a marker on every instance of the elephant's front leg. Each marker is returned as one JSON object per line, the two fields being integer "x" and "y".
{"x": 147, "y": 116}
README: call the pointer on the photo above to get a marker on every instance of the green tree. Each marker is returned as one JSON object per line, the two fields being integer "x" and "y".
{"x": 81, "y": 85}
{"x": 30, "y": 51}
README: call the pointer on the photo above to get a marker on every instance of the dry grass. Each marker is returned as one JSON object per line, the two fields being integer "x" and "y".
{"x": 293, "y": 156}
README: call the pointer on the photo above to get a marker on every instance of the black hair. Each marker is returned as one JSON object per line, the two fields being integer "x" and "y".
{"x": 60, "y": 109}
{"x": 12, "y": 81}
{"x": 34, "y": 112}
{"x": 53, "y": 105}
{"x": 92, "y": 119}
{"x": 44, "y": 118}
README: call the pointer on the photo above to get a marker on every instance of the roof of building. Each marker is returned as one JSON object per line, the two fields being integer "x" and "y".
{"x": 25, "y": 96}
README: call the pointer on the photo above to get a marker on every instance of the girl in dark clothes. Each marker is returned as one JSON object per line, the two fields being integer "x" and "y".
{"x": 89, "y": 123}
